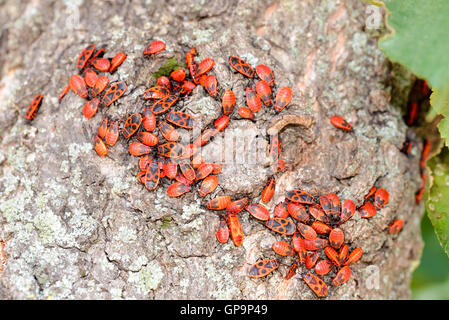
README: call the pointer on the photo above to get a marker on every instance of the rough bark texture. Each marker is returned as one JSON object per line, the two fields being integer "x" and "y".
{"x": 77, "y": 226}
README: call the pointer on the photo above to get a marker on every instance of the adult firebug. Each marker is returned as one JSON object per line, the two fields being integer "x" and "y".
{"x": 316, "y": 284}
{"x": 170, "y": 149}
{"x": 152, "y": 176}
{"x": 132, "y": 124}
{"x": 291, "y": 271}
{"x": 180, "y": 119}
{"x": 187, "y": 169}
{"x": 84, "y": 56}
{"x": 156, "y": 92}
{"x": 317, "y": 212}
{"x": 33, "y": 107}
{"x": 241, "y": 66}
{"x": 331, "y": 205}
{"x": 114, "y": 92}
{"x": 162, "y": 105}
{"x": 299, "y": 196}
{"x": 281, "y": 225}
{"x": 263, "y": 268}
{"x": 97, "y": 54}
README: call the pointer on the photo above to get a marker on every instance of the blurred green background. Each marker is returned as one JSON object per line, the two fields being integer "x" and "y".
{"x": 431, "y": 278}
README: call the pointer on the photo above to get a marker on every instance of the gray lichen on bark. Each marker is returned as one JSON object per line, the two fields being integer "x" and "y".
{"x": 77, "y": 226}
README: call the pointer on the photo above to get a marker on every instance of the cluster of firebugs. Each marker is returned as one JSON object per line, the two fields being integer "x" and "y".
{"x": 317, "y": 241}
{"x": 419, "y": 94}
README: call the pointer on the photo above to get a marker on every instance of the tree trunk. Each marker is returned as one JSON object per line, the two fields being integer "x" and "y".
{"x": 77, "y": 226}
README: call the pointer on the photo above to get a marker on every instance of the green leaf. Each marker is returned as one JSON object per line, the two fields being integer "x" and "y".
{"x": 170, "y": 65}
{"x": 437, "y": 203}
{"x": 374, "y": 2}
{"x": 420, "y": 41}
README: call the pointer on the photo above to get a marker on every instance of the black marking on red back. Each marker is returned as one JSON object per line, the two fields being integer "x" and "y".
{"x": 84, "y": 56}
{"x": 299, "y": 196}
{"x": 180, "y": 119}
{"x": 114, "y": 92}
{"x": 33, "y": 107}
{"x": 164, "y": 104}
{"x": 241, "y": 66}
{"x": 132, "y": 124}
{"x": 152, "y": 176}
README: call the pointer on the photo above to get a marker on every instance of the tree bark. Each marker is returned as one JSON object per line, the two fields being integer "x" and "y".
{"x": 76, "y": 226}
